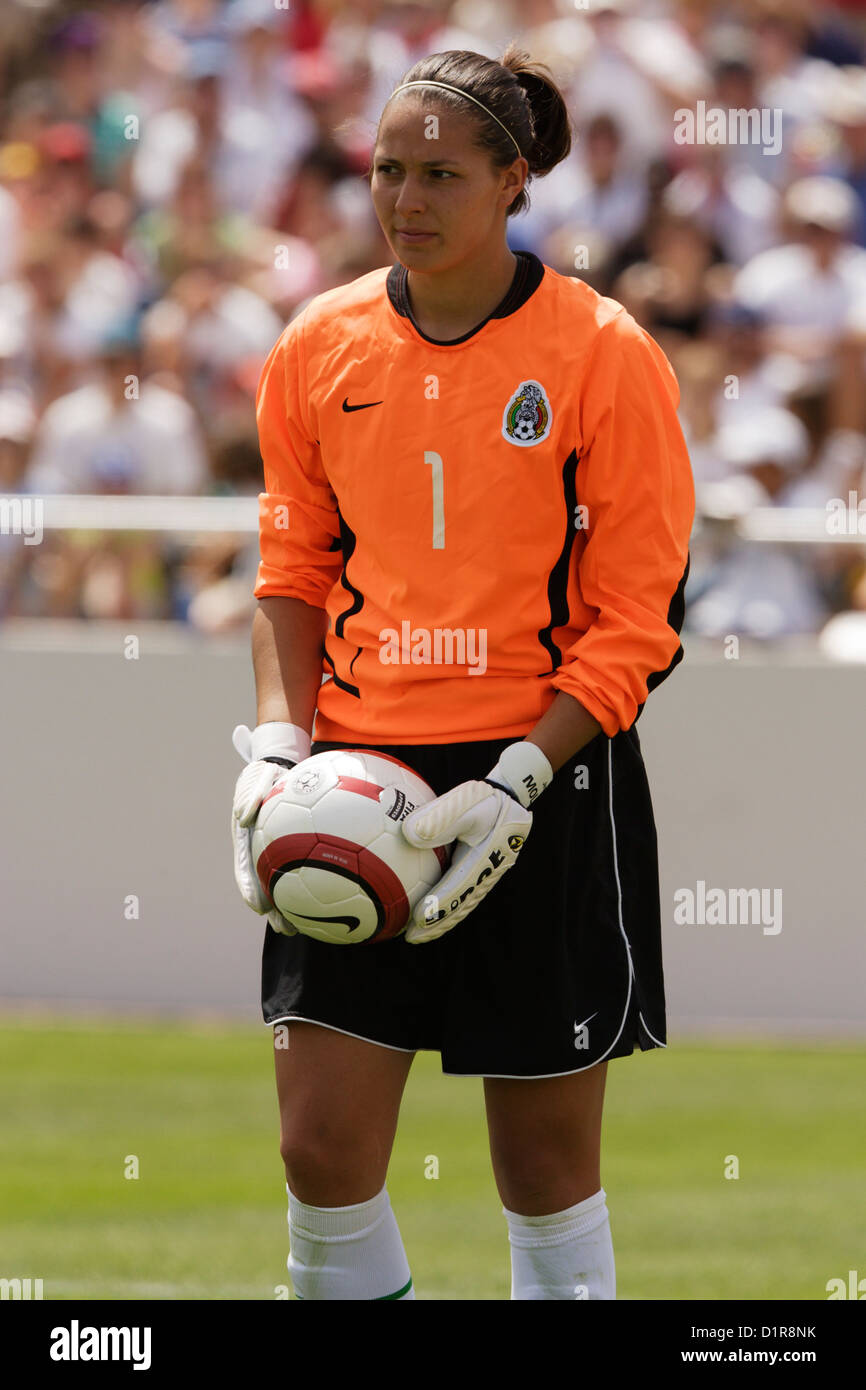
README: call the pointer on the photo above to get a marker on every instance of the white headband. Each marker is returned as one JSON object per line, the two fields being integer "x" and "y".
{"x": 460, "y": 92}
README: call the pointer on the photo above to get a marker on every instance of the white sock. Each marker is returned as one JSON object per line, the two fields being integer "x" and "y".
{"x": 568, "y": 1254}
{"x": 352, "y": 1252}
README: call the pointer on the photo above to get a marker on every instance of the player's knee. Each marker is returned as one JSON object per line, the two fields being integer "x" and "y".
{"x": 531, "y": 1182}
{"x": 301, "y": 1149}
{"x": 326, "y": 1158}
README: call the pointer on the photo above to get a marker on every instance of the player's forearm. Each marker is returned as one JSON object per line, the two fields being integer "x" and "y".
{"x": 563, "y": 729}
{"x": 287, "y": 643}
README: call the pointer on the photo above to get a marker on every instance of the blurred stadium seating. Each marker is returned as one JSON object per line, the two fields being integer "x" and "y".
{"x": 178, "y": 178}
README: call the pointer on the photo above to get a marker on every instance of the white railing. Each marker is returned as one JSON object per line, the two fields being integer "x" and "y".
{"x": 797, "y": 526}
{"x": 180, "y": 516}
{"x": 184, "y": 516}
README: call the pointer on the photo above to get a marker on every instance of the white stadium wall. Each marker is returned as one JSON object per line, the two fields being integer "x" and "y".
{"x": 117, "y": 783}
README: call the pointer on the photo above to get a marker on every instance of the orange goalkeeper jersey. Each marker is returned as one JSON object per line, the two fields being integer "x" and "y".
{"x": 487, "y": 520}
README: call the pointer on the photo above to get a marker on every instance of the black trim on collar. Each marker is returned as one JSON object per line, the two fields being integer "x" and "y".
{"x": 528, "y": 275}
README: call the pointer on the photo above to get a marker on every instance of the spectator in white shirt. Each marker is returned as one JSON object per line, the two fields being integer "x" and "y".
{"x": 804, "y": 288}
{"x": 118, "y": 434}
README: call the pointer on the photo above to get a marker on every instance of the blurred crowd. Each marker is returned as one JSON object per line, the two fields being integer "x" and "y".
{"x": 178, "y": 178}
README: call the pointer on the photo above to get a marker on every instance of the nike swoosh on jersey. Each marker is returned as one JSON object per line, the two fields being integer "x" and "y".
{"x": 365, "y": 406}
{"x": 350, "y": 922}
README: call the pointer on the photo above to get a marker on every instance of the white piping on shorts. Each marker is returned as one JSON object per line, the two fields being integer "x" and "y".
{"x": 504, "y": 1076}
{"x": 298, "y": 1018}
{"x": 649, "y": 1034}
{"x": 618, "y": 912}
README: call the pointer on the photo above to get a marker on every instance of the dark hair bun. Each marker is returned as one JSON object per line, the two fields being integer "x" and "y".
{"x": 551, "y": 124}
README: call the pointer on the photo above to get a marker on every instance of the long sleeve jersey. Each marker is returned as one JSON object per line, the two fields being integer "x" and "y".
{"x": 486, "y": 521}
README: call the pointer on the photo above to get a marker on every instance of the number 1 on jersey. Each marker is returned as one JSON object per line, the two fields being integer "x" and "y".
{"x": 435, "y": 461}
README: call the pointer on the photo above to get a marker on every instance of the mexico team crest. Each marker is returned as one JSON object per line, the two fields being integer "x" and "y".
{"x": 527, "y": 417}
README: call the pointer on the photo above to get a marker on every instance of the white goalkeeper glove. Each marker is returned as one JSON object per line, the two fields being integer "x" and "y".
{"x": 490, "y": 819}
{"x": 268, "y": 750}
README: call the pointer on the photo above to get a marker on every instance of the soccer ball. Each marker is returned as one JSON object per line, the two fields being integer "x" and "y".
{"x": 329, "y": 851}
{"x": 525, "y": 429}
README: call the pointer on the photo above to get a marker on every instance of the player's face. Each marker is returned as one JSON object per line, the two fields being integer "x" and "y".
{"x": 430, "y": 180}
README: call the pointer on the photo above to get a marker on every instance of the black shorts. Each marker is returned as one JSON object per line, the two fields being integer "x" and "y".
{"x": 557, "y": 968}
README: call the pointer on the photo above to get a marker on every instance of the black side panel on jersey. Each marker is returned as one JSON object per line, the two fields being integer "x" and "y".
{"x": 348, "y": 541}
{"x": 557, "y": 582}
{"x": 676, "y": 613}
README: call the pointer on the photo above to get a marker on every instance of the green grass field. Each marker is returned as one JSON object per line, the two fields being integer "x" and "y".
{"x": 205, "y": 1219}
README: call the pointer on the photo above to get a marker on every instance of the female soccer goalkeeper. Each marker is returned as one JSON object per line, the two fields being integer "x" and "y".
{"x": 468, "y": 442}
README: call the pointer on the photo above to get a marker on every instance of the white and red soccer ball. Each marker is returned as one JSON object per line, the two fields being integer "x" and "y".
{"x": 329, "y": 850}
